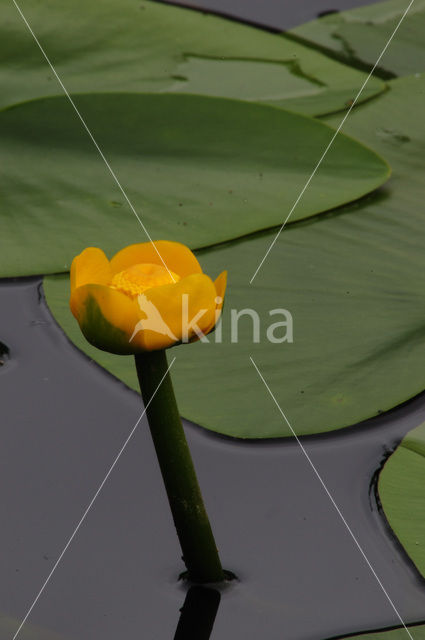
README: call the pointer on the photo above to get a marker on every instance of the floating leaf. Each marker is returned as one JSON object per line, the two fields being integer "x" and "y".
{"x": 361, "y": 35}
{"x": 198, "y": 170}
{"x": 354, "y": 284}
{"x": 417, "y": 631}
{"x": 402, "y": 492}
{"x": 123, "y": 45}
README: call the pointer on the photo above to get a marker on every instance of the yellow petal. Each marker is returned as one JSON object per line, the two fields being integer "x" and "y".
{"x": 106, "y": 317}
{"x": 176, "y": 256}
{"x": 220, "y": 284}
{"x": 90, "y": 267}
{"x": 163, "y": 315}
{"x": 220, "y": 288}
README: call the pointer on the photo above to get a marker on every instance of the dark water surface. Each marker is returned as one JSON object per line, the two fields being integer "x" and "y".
{"x": 277, "y": 15}
{"x": 301, "y": 576}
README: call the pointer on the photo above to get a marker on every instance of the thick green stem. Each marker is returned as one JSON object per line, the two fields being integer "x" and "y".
{"x": 190, "y": 517}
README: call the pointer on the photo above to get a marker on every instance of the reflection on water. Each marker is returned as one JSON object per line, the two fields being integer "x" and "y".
{"x": 198, "y": 614}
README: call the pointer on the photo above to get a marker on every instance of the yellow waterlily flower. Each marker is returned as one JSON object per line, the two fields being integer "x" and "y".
{"x": 150, "y": 296}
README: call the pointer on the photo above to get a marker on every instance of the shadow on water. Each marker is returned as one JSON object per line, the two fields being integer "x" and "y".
{"x": 198, "y": 614}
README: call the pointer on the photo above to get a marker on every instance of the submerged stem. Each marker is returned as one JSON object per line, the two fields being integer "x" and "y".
{"x": 184, "y": 495}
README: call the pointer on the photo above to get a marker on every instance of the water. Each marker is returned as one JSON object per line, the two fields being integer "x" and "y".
{"x": 300, "y": 573}
{"x": 276, "y": 15}
{"x": 4, "y": 354}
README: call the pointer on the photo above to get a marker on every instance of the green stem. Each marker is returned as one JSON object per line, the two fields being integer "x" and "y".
{"x": 184, "y": 495}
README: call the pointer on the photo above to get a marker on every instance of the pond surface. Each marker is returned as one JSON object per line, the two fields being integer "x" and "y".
{"x": 300, "y": 574}
{"x": 277, "y": 15}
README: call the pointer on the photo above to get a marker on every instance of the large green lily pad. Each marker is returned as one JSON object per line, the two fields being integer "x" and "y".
{"x": 128, "y": 45}
{"x": 354, "y": 284}
{"x": 198, "y": 170}
{"x": 402, "y": 492}
{"x": 361, "y": 34}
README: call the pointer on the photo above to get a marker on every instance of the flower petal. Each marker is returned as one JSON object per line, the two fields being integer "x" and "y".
{"x": 106, "y": 317}
{"x": 91, "y": 266}
{"x": 220, "y": 284}
{"x": 165, "y": 311}
{"x": 176, "y": 256}
{"x": 220, "y": 287}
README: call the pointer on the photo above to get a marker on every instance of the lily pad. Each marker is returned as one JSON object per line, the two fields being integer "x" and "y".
{"x": 198, "y": 170}
{"x": 123, "y": 45}
{"x": 361, "y": 34}
{"x": 417, "y": 631}
{"x": 402, "y": 492}
{"x": 354, "y": 284}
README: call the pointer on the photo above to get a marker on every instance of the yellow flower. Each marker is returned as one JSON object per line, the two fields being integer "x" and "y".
{"x": 136, "y": 303}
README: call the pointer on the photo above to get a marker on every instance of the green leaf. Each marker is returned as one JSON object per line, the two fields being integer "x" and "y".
{"x": 417, "y": 631}
{"x": 361, "y": 34}
{"x": 402, "y": 492}
{"x": 354, "y": 284}
{"x": 198, "y": 170}
{"x": 124, "y": 45}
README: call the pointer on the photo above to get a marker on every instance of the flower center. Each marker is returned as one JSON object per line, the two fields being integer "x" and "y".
{"x": 141, "y": 277}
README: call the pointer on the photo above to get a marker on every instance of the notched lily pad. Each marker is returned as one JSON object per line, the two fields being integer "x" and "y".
{"x": 253, "y": 80}
{"x": 353, "y": 283}
{"x": 197, "y": 170}
{"x": 118, "y": 47}
{"x": 360, "y": 35}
